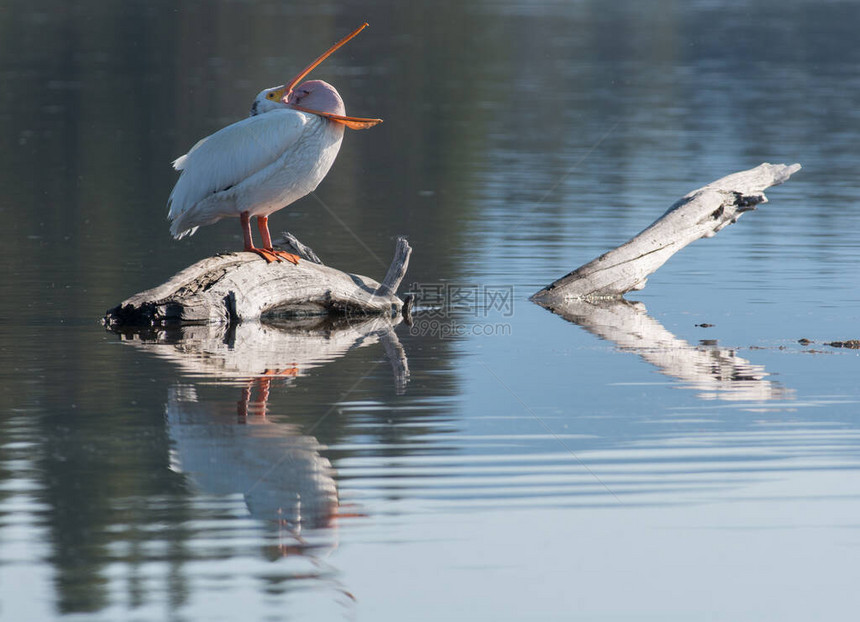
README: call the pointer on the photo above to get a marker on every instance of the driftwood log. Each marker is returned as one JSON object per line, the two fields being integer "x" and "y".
{"x": 235, "y": 287}
{"x": 700, "y": 214}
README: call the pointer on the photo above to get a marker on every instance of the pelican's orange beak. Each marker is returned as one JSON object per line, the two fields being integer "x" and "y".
{"x": 355, "y": 123}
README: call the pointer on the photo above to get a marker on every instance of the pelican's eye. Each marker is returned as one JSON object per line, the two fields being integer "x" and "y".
{"x": 270, "y": 95}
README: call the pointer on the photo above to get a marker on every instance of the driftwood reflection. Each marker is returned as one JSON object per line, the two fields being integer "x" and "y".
{"x": 288, "y": 348}
{"x": 716, "y": 373}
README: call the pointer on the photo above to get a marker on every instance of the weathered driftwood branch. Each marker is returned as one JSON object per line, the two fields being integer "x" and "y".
{"x": 241, "y": 286}
{"x": 302, "y": 250}
{"x": 700, "y": 214}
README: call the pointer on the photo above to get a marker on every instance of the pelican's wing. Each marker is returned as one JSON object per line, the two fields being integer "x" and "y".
{"x": 231, "y": 155}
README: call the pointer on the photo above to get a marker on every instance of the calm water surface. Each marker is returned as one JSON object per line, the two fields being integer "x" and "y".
{"x": 493, "y": 461}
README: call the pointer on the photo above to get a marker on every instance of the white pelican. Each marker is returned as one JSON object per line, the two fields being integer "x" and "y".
{"x": 265, "y": 162}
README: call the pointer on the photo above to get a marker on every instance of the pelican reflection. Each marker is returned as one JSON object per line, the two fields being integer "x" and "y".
{"x": 238, "y": 447}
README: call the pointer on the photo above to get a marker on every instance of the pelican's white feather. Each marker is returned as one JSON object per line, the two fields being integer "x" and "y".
{"x": 241, "y": 167}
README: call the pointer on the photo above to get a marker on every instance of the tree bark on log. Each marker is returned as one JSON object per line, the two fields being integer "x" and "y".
{"x": 235, "y": 287}
{"x": 699, "y": 214}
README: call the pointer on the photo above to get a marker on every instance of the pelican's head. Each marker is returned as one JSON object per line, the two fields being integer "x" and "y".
{"x": 316, "y": 95}
{"x": 269, "y": 99}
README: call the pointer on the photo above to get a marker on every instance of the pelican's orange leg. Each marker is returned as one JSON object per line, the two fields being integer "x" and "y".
{"x": 268, "y": 255}
{"x": 263, "y": 226}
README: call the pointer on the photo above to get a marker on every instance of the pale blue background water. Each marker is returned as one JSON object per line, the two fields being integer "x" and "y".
{"x": 538, "y": 472}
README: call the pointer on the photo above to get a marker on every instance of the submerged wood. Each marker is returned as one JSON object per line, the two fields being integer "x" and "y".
{"x": 699, "y": 214}
{"x": 235, "y": 287}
